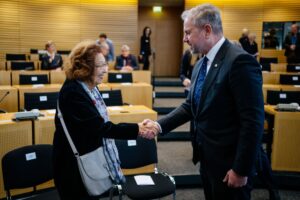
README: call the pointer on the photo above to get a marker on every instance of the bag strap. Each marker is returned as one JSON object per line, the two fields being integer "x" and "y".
{"x": 60, "y": 116}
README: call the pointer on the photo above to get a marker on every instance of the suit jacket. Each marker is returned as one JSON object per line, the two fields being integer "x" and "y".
{"x": 287, "y": 42}
{"x": 130, "y": 61}
{"x": 56, "y": 62}
{"x": 186, "y": 68}
{"x": 87, "y": 128}
{"x": 145, "y": 48}
{"x": 229, "y": 118}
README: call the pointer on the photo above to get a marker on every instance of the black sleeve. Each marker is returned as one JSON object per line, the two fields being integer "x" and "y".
{"x": 245, "y": 81}
{"x": 118, "y": 63}
{"x": 45, "y": 62}
{"x": 82, "y": 118}
{"x": 185, "y": 64}
{"x": 142, "y": 47}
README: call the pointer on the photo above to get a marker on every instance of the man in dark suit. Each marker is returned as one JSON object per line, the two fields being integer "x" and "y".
{"x": 292, "y": 45}
{"x": 226, "y": 105}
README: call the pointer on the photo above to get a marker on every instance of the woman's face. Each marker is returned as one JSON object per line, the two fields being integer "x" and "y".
{"x": 51, "y": 48}
{"x": 100, "y": 70}
{"x": 147, "y": 31}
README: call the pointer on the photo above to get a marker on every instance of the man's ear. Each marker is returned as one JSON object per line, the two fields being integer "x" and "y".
{"x": 208, "y": 30}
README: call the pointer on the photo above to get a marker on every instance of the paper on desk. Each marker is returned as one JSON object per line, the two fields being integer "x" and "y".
{"x": 115, "y": 108}
{"x": 37, "y": 85}
{"x": 53, "y": 111}
{"x": 143, "y": 180}
{"x": 126, "y": 83}
{"x": 296, "y": 85}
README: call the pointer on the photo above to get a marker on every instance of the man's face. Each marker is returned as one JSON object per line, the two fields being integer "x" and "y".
{"x": 194, "y": 37}
{"x": 101, "y": 39}
{"x": 125, "y": 52}
{"x": 294, "y": 29}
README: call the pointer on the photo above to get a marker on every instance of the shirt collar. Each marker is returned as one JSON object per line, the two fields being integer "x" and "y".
{"x": 214, "y": 50}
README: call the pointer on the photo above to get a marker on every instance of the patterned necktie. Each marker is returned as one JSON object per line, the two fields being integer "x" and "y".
{"x": 200, "y": 81}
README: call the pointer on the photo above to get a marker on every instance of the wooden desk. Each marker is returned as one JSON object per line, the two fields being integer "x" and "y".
{"x": 286, "y": 140}
{"x": 2, "y": 65}
{"x": 134, "y": 93}
{"x": 104, "y": 87}
{"x": 13, "y": 135}
{"x": 35, "y": 89}
{"x": 278, "y": 67}
{"x": 276, "y": 87}
{"x": 10, "y": 102}
{"x": 5, "y": 77}
{"x": 138, "y": 76}
{"x": 57, "y": 77}
{"x": 274, "y": 77}
{"x": 16, "y": 75}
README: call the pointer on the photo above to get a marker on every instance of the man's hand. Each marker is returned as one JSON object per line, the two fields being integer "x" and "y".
{"x": 186, "y": 82}
{"x": 234, "y": 180}
{"x": 148, "y": 129}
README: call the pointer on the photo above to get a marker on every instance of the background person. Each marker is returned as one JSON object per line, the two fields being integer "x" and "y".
{"x": 51, "y": 60}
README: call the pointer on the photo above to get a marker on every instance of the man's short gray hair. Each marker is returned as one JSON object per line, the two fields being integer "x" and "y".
{"x": 205, "y": 14}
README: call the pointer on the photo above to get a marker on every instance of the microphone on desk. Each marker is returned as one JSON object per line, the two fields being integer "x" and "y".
{"x": 7, "y": 93}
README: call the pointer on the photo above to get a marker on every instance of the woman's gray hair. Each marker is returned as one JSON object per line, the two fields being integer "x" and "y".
{"x": 205, "y": 14}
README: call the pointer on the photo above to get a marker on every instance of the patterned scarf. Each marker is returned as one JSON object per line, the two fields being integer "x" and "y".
{"x": 110, "y": 150}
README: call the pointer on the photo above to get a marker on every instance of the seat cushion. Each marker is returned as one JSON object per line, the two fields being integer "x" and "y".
{"x": 163, "y": 187}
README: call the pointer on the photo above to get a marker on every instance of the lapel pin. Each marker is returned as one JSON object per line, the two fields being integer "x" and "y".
{"x": 216, "y": 65}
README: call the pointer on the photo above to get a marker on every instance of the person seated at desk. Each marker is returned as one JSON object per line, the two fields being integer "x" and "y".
{"x": 51, "y": 60}
{"x": 126, "y": 61}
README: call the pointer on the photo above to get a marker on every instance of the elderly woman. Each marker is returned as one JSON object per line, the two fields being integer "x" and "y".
{"x": 86, "y": 118}
{"x": 126, "y": 61}
{"x": 51, "y": 60}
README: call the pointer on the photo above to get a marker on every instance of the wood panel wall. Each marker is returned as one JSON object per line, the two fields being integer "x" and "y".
{"x": 166, "y": 38}
{"x": 237, "y": 15}
{"x": 30, "y": 24}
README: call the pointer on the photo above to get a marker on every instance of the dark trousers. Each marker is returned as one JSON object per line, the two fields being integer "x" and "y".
{"x": 214, "y": 187}
{"x": 146, "y": 62}
{"x": 265, "y": 175}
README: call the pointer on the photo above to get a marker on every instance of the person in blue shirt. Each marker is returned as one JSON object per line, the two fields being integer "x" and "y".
{"x": 103, "y": 38}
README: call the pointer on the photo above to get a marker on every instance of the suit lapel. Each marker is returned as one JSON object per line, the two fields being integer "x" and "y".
{"x": 213, "y": 71}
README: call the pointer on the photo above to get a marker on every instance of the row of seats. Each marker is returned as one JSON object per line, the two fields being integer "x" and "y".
{"x": 271, "y": 64}
{"x": 53, "y": 77}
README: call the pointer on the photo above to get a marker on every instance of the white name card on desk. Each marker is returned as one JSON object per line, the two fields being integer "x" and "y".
{"x": 43, "y": 98}
{"x": 295, "y": 78}
{"x": 115, "y": 108}
{"x": 119, "y": 76}
{"x": 297, "y": 86}
{"x": 143, "y": 180}
{"x": 282, "y": 96}
{"x": 105, "y": 95}
{"x": 37, "y": 85}
{"x": 131, "y": 143}
{"x": 53, "y": 111}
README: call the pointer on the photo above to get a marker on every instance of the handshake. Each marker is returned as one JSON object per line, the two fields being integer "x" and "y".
{"x": 148, "y": 129}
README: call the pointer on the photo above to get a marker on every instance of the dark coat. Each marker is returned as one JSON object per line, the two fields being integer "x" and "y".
{"x": 87, "y": 128}
{"x": 229, "y": 118}
{"x": 56, "y": 62}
